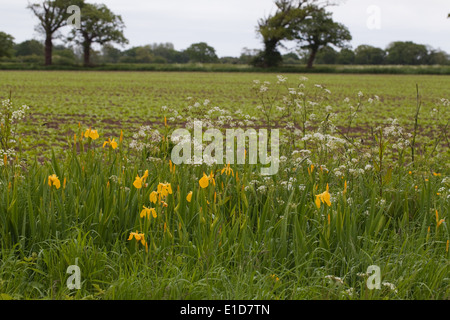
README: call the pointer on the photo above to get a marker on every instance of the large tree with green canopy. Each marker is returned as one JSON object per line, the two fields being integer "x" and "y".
{"x": 98, "y": 25}
{"x": 52, "y": 15}
{"x": 319, "y": 31}
{"x": 283, "y": 25}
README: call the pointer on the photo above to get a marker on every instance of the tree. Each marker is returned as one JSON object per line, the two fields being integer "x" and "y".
{"x": 365, "y": 54}
{"x": 291, "y": 58}
{"x": 345, "y": 56}
{"x": 318, "y": 31}
{"x": 438, "y": 57}
{"x": 110, "y": 54}
{"x": 406, "y": 53}
{"x": 98, "y": 25}
{"x": 248, "y": 55}
{"x": 201, "y": 52}
{"x": 6, "y": 45}
{"x": 326, "y": 55}
{"x": 63, "y": 55}
{"x": 52, "y": 15}
{"x": 29, "y": 48}
{"x": 281, "y": 26}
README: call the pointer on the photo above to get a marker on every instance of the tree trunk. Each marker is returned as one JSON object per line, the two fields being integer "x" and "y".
{"x": 271, "y": 56}
{"x": 48, "y": 50}
{"x": 87, "y": 54}
{"x": 311, "y": 59}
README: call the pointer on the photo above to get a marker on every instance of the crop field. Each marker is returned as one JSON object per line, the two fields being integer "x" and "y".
{"x": 88, "y": 178}
{"x": 125, "y": 100}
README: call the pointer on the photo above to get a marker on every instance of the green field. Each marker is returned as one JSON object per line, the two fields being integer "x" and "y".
{"x": 244, "y": 235}
{"x": 125, "y": 100}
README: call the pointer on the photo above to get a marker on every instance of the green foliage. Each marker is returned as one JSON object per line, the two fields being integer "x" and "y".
{"x": 319, "y": 31}
{"x": 406, "y": 53}
{"x": 6, "y": 45}
{"x": 327, "y": 55}
{"x": 52, "y": 15}
{"x": 345, "y": 56}
{"x": 282, "y": 25}
{"x": 201, "y": 52}
{"x": 28, "y": 48}
{"x": 98, "y": 25}
{"x": 365, "y": 54}
{"x": 245, "y": 236}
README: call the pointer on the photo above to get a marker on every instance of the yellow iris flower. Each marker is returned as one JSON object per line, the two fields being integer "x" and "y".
{"x": 324, "y": 197}
{"x": 154, "y": 197}
{"x": 93, "y": 134}
{"x": 147, "y": 211}
{"x": 139, "y": 237}
{"x": 139, "y": 181}
{"x": 189, "y": 197}
{"x": 54, "y": 181}
{"x": 227, "y": 170}
{"x": 110, "y": 142}
{"x": 164, "y": 189}
{"x": 204, "y": 181}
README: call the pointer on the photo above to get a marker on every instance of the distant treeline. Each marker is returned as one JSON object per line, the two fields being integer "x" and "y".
{"x": 396, "y": 53}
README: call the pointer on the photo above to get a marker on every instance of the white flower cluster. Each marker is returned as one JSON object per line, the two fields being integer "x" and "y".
{"x": 397, "y": 134}
{"x": 14, "y": 115}
{"x": 145, "y": 138}
{"x": 331, "y": 142}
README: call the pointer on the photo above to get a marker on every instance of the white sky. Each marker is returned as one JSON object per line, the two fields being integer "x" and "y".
{"x": 229, "y": 25}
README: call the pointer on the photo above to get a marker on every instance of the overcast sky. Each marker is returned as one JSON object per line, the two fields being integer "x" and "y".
{"x": 229, "y": 25}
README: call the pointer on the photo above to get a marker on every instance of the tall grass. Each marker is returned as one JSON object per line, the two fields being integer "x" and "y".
{"x": 243, "y": 236}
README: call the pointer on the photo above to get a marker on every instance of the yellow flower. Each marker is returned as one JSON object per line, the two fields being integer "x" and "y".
{"x": 273, "y": 276}
{"x": 164, "y": 189}
{"x": 189, "y": 197}
{"x": 438, "y": 222}
{"x": 324, "y": 197}
{"x": 318, "y": 201}
{"x": 227, "y": 170}
{"x": 138, "y": 182}
{"x": 147, "y": 211}
{"x": 436, "y": 174}
{"x": 93, "y": 134}
{"x": 54, "y": 181}
{"x": 204, "y": 181}
{"x": 345, "y": 187}
{"x": 139, "y": 237}
{"x": 154, "y": 197}
{"x": 121, "y": 136}
{"x": 110, "y": 142}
